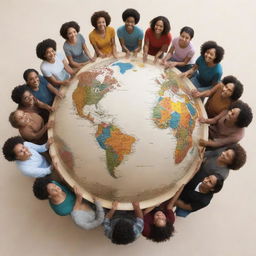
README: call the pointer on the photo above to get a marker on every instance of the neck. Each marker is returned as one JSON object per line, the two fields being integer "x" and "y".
{"x": 203, "y": 190}
{"x": 59, "y": 198}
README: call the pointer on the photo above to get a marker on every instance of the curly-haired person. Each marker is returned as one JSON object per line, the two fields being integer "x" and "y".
{"x": 207, "y": 67}
{"x": 130, "y": 36}
{"x": 75, "y": 47}
{"x": 157, "y": 38}
{"x": 54, "y": 67}
{"x": 228, "y": 127}
{"x": 221, "y": 96}
{"x": 102, "y": 37}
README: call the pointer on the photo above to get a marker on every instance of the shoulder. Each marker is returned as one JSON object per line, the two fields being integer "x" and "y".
{"x": 138, "y": 30}
{"x": 59, "y": 56}
{"x": 110, "y": 30}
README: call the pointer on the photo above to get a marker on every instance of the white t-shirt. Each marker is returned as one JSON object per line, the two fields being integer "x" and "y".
{"x": 55, "y": 69}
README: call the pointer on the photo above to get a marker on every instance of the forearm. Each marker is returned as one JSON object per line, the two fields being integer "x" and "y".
{"x": 110, "y": 214}
{"x": 179, "y": 203}
{"x": 138, "y": 212}
{"x": 175, "y": 198}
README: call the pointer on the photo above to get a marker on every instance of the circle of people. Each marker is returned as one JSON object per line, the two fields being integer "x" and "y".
{"x": 227, "y": 118}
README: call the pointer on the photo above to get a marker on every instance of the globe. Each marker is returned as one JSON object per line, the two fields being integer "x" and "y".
{"x": 127, "y": 131}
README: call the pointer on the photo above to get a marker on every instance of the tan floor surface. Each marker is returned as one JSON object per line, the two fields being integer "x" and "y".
{"x": 29, "y": 227}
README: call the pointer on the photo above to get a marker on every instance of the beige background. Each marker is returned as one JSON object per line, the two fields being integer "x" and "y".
{"x": 29, "y": 227}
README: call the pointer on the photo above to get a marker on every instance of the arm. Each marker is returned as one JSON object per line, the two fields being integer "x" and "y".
{"x": 145, "y": 49}
{"x": 168, "y": 55}
{"x": 87, "y": 52}
{"x": 172, "y": 202}
{"x": 213, "y": 120}
{"x": 159, "y": 53}
{"x": 110, "y": 214}
{"x": 52, "y": 80}
{"x": 128, "y": 53}
{"x": 68, "y": 68}
{"x": 138, "y": 48}
{"x": 114, "y": 52}
{"x": 137, "y": 210}
{"x": 190, "y": 71}
{"x": 208, "y": 93}
{"x": 179, "y": 203}
{"x": 42, "y": 105}
{"x": 55, "y": 91}
{"x": 146, "y": 211}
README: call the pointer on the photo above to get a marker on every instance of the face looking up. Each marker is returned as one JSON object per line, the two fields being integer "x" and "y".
{"x": 33, "y": 80}
{"x": 210, "y": 55}
{"x": 21, "y": 152}
{"x": 227, "y": 156}
{"x": 27, "y": 99}
{"x": 159, "y": 219}
{"x": 233, "y": 114}
{"x": 53, "y": 189}
{"x": 159, "y": 27}
{"x": 22, "y": 118}
{"x": 227, "y": 90}
{"x": 101, "y": 24}
{"x": 209, "y": 182}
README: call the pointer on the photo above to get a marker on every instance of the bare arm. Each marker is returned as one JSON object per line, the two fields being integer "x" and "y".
{"x": 55, "y": 91}
{"x": 190, "y": 71}
{"x": 208, "y": 93}
{"x": 139, "y": 47}
{"x": 68, "y": 68}
{"x": 137, "y": 210}
{"x": 54, "y": 81}
{"x": 114, "y": 52}
{"x": 145, "y": 50}
{"x": 182, "y": 205}
{"x": 159, "y": 53}
{"x": 42, "y": 105}
{"x": 168, "y": 55}
{"x": 110, "y": 214}
{"x": 121, "y": 40}
{"x": 173, "y": 200}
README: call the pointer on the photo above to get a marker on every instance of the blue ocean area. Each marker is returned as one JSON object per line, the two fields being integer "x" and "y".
{"x": 175, "y": 120}
{"x": 123, "y": 66}
{"x": 191, "y": 109}
{"x": 102, "y": 138}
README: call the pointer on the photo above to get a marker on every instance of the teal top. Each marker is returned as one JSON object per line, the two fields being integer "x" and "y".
{"x": 66, "y": 207}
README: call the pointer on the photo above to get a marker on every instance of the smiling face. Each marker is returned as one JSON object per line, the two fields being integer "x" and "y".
{"x": 27, "y": 99}
{"x": 209, "y": 183}
{"x": 22, "y": 118}
{"x": 33, "y": 80}
{"x": 101, "y": 24}
{"x": 53, "y": 190}
{"x": 227, "y": 156}
{"x": 129, "y": 24}
{"x": 184, "y": 39}
{"x": 210, "y": 55}
{"x": 227, "y": 90}
{"x": 159, "y": 219}
{"x": 159, "y": 27}
{"x": 233, "y": 114}
{"x": 21, "y": 152}
{"x": 50, "y": 55}
{"x": 71, "y": 34}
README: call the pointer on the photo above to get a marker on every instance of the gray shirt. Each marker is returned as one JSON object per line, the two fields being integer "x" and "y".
{"x": 76, "y": 51}
{"x": 88, "y": 219}
{"x": 210, "y": 165}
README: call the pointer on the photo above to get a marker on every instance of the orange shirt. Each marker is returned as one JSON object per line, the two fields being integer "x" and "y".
{"x": 103, "y": 44}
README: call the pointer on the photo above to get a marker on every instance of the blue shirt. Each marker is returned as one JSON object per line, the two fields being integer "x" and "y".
{"x": 43, "y": 94}
{"x": 130, "y": 40}
{"x": 66, "y": 207}
{"x": 36, "y": 166}
{"x": 208, "y": 76}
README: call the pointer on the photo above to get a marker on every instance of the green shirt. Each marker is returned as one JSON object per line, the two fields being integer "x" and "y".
{"x": 66, "y": 207}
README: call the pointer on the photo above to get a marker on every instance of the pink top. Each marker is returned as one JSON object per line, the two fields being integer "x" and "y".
{"x": 225, "y": 135}
{"x": 155, "y": 44}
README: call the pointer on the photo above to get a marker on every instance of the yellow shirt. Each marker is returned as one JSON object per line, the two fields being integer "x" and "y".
{"x": 103, "y": 44}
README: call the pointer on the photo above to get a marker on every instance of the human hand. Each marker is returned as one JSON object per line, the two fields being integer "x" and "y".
{"x": 128, "y": 54}
{"x": 78, "y": 193}
{"x": 145, "y": 57}
{"x": 66, "y": 82}
{"x": 195, "y": 93}
{"x": 60, "y": 95}
{"x": 93, "y": 59}
{"x": 203, "y": 143}
{"x": 136, "y": 205}
{"x": 183, "y": 75}
{"x": 202, "y": 120}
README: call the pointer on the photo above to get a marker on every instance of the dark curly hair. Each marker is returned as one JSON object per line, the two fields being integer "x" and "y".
{"x": 40, "y": 187}
{"x": 131, "y": 13}
{"x": 245, "y": 116}
{"x": 12, "y": 120}
{"x": 9, "y": 145}
{"x": 98, "y": 15}
{"x": 219, "y": 183}
{"x": 27, "y": 72}
{"x": 161, "y": 234}
{"x": 167, "y": 26}
{"x": 213, "y": 45}
{"x": 238, "y": 87}
{"x": 64, "y": 28}
{"x": 123, "y": 232}
{"x": 18, "y": 92}
{"x": 43, "y": 46}
{"x": 188, "y": 30}
{"x": 240, "y": 157}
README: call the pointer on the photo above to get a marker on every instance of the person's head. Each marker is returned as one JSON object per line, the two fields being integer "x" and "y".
{"x": 19, "y": 118}
{"x": 22, "y": 96}
{"x": 186, "y": 34}
{"x": 212, "y": 183}
{"x": 240, "y": 114}
{"x": 100, "y": 20}
{"x": 123, "y": 232}
{"x": 130, "y": 17}
{"x": 14, "y": 149}
{"x": 160, "y": 25}
{"x": 31, "y": 77}
{"x": 44, "y": 188}
{"x": 234, "y": 156}
{"x": 212, "y": 52}
{"x": 46, "y": 50}
{"x": 161, "y": 233}
{"x": 232, "y": 88}
{"x": 69, "y": 30}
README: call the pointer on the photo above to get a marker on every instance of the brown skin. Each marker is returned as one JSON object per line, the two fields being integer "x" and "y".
{"x": 31, "y": 126}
